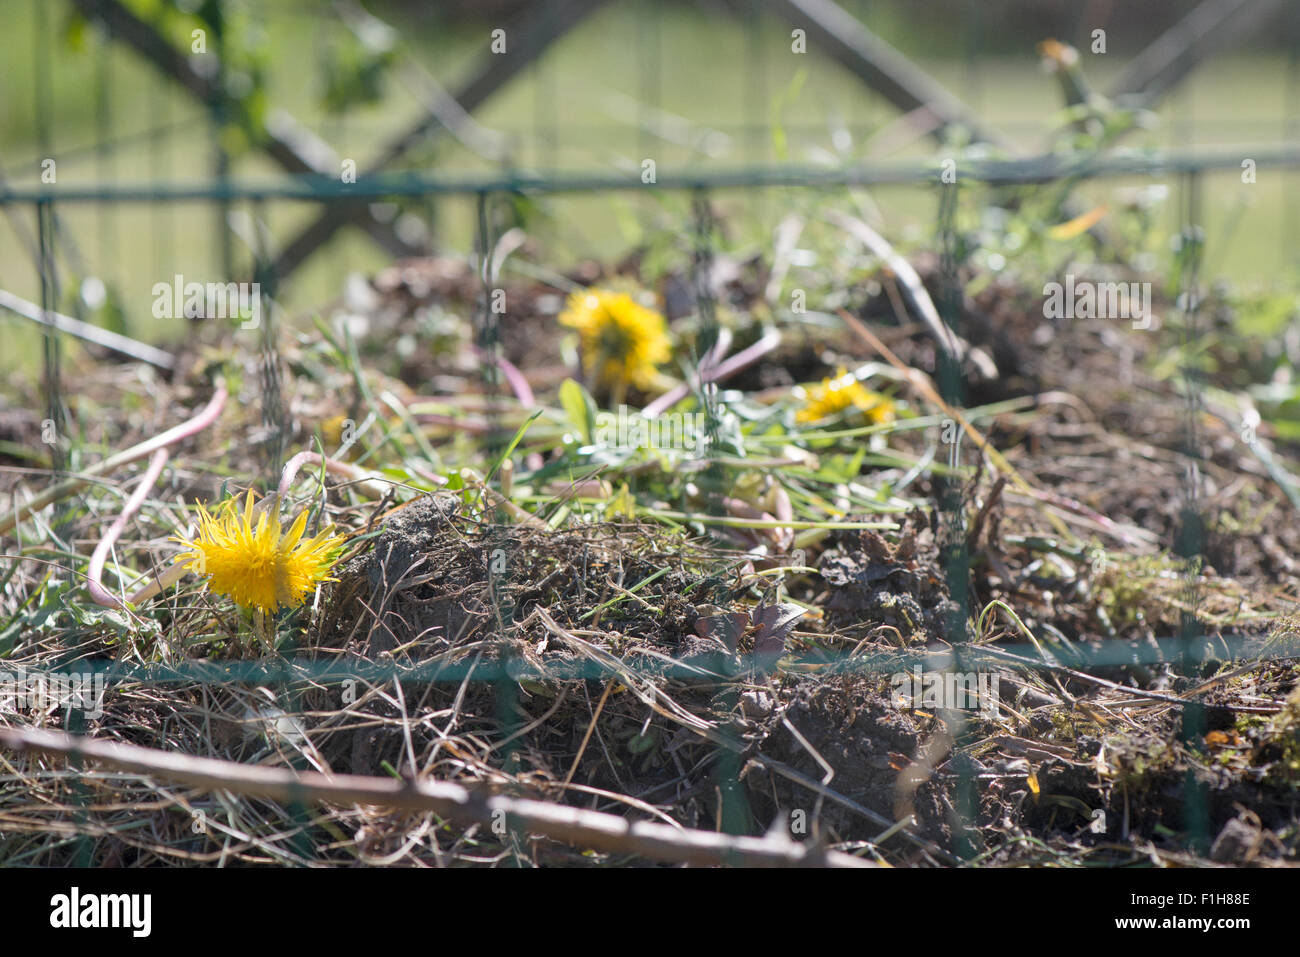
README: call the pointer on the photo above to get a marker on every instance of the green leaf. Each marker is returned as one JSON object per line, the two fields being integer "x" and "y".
{"x": 841, "y": 468}
{"x": 514, "y": 443}
{"x": 580, "y": 407}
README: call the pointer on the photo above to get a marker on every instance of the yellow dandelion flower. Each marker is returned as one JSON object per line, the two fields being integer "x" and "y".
{"x": 843, "y": 392}
{"x": 623, "y": 342}
{"x": 253, "y": 561}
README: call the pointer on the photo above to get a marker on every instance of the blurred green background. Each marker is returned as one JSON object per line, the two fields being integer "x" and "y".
{"x": 683, "y": 83}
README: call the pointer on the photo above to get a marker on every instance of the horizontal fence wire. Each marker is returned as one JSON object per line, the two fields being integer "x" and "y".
{"x": 1000, "y": 172}
{"x": 291, "y": 670}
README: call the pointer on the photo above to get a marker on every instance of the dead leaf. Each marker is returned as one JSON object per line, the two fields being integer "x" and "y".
{"x": 772, "y": 626}
{"x": 722, "y": 625}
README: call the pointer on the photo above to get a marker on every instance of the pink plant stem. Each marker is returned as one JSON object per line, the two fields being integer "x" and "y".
{"x": 1078, "y": 508}
{"x": 427, "y": 475}
{"x": 311, "y": 458}
{"x": 186, "y": 429}
{"x": 518, "y": 384}
{"x": 61, "y": 489}
{"x": 716, "y": 373}
{"x": 476, "y": 426}
{"x": 522, "y": 390}
{"x": 158, "y": 446}
{"x": 98, "y": 593}
{"x": 720, "y": 348}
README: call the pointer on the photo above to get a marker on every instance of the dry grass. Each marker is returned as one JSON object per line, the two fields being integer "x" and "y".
{"x": 705, "y": 643}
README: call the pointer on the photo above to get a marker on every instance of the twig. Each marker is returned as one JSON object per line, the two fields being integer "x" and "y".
{"x": 520, "y": 515}
{"x": 591, "y": 829}
{"x": 981, "y": 516}
{"x": 84, "y": 330}
{"x": 586, "y": 738}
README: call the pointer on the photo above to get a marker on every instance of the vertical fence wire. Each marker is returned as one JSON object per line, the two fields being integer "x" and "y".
{"x": 52, "y": 343}
{"x": 105, "y": 157}
{"x": 1190, "y": 539}
{"x": 733, "y": 812}
{"x": 954, "y": 550}
{"x": 499, "y": 553}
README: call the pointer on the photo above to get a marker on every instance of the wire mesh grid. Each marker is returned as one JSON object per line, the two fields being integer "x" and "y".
{"x": 244, "y": 210}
